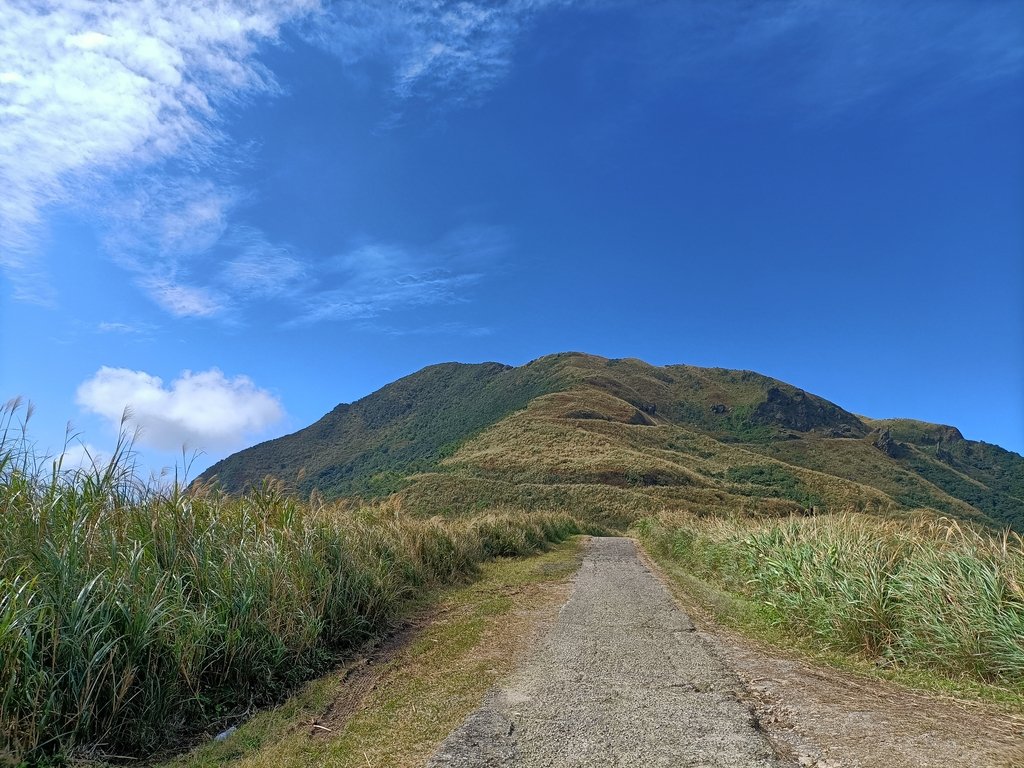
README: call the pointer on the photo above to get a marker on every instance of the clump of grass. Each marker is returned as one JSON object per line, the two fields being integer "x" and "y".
{"x": 131, "y": 614}
{"x": 929, "y": 594}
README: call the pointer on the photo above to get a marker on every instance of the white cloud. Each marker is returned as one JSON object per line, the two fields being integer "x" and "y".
{"x": 160, "y": 221}
{"x": 182, "y": 300}
{"x": 89, "y": 89}
{"x": 126, "y": 329}
{"x": 204, "y": 410}
{"x": 115, "y": 108}
{"x": 260, "y": 269}
{"x": 163, "y": 230}
{"x": 452, "y": 51}
{"x": 433, "y": 329}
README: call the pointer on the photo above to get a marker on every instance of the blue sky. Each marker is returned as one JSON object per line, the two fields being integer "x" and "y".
{"x": 234, "y": 216}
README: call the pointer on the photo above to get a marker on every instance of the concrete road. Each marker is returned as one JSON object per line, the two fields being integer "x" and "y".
{"x": 621, "y": 679}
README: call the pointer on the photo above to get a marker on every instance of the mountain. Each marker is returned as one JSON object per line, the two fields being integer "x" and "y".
{"x": 613, "y": 439}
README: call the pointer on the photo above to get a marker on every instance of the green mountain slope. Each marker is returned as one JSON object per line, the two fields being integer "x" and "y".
{"x": 367, "y": 447}
{"x": 614, "y": 439}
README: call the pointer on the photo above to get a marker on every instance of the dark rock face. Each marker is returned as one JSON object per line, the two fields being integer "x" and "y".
{"x": 797, "y": 410}
{"x": 719, "y": 408}
{"x": 641, "y": 418}
{"x": 941, "y": 436}
{"x": 887, "y": 444}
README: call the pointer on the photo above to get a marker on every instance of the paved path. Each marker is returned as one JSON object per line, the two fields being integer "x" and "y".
{"x": 620, "y": 680}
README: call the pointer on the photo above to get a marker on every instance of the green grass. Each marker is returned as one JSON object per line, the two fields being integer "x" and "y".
{"x": 370, "y": 446}
{"x": 772, "y": 480}
{"x": 133, "y": 615}
{"x": 929, "y": 599}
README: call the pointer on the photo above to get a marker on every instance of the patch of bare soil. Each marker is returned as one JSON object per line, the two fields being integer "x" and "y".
{"x": 826, "y": 718}
{"x": 831, "y": 719}
{"x": 360, "y": 676}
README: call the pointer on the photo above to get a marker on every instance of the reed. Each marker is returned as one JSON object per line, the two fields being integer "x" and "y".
{"x": 132, "y": 614}
{"x": 927, "y": 593}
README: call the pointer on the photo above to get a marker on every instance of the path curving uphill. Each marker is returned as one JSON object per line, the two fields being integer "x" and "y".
{"x": 620, "y": 680}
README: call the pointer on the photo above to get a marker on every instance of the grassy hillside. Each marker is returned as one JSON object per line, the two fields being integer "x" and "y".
{"x": 617, "y": 439}
{"x": 367, "y": 447}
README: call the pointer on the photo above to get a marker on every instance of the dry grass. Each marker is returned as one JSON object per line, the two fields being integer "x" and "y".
{"x": 577, "y": 451}
{"x": 927, "y": 594}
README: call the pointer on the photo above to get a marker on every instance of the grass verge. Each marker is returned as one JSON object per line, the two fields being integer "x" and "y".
{"x": 930, "y": 605}
{"x": 396, "y": 711}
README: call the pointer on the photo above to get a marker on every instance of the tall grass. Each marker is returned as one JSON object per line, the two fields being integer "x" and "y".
{"x": 931, "y": 594}
{"x": 132, "y": 614}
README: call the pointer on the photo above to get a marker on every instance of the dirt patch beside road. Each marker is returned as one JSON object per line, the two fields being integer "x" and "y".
{"x": 821, "y": 716}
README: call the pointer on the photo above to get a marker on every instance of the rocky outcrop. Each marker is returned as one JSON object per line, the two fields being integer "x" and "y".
{"x": 641, "y": 418}
{"x": 796, "y": 410}
{"x": 887, "y": 444}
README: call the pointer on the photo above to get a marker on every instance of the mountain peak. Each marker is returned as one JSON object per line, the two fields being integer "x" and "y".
{"x": 622, "y": 436}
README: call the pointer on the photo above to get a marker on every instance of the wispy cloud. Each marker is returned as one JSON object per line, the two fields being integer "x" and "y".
{"x": 374, "y": 278}
{"x": 259, "y": 268}
{"x": 835, "y": 57}
{"x": 176, "y": 237}
{"x": 90, "y": 89}
{"x": 116, "y": 108}
{"x": 204, "y": 410}
{"x": 455, "y": 52}
{"x": 431, "y": 329}
{"x": 126, "y": 329}
{"x": 183, "y": 300}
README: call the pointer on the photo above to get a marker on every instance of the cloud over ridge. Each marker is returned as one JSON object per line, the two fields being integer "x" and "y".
{"x": 204, "y": 410}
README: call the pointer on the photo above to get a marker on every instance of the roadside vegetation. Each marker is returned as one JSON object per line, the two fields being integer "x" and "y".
{"x": 396, "y": 710}
{"x": 930, "y": 595}
{"x": 133, "y": 614}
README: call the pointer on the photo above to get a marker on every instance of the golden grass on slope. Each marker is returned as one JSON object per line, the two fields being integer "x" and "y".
{"x": 858, "y": 461}
{"x": 460, "y": 495}
{"x": 537, "y": 450}
{"x": 584, "y": 438}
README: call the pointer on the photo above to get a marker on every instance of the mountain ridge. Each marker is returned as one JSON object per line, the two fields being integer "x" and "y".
{"x": 621, "y": 436}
